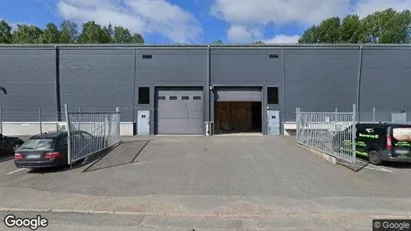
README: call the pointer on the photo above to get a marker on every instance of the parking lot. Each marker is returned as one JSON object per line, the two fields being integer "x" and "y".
{"x": 268, "y": 181}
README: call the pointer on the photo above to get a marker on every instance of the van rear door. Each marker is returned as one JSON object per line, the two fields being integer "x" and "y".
{"x": 401, "y": 141}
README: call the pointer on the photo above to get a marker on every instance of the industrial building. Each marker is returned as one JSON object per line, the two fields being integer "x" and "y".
{"x": 181, "y": 89}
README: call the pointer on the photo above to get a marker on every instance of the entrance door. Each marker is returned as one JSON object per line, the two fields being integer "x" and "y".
{"x": 273, "y": 118}
{"x": 143, "y": 122}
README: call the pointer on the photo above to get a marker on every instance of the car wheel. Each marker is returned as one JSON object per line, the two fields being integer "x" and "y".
{"x": 374, "y": 157}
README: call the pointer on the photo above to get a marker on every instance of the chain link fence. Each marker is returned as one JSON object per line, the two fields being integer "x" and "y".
{"x": 332, "y": 133}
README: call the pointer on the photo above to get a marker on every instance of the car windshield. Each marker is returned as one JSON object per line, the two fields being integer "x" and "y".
{"x": 37, "y": 144}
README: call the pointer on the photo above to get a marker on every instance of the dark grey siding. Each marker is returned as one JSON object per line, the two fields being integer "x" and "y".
{"x": 320, "y": 80}
{"x": 385, "y": 82}
{"x": 175, "y": 67}
{"x": 172, "y": 66}
{"x": 97, "y": 80}
{"x": 29, "y": 77}
{"x": 245, "y": 67}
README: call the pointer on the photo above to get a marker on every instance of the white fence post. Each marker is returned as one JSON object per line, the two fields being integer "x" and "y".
{"x": 353, "y": 133}
{"x": 118, "y": 124}
{"x": 68, "y": 127}
{"x": 298, "y": 122}
{"x": 40, "y": 121}
{"x": 373, "y": 114}
{"x": 1, "y": 121}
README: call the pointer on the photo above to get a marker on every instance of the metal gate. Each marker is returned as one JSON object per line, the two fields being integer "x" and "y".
{"x": 329, "y": 132}
{"x": 91, "y": 132}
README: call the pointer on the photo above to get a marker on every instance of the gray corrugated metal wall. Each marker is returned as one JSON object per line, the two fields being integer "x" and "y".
{"x": 385, "y": 82}
{"x": 315, "y": 78}
{"x": 97, "y": 80}
{"x": 320, "y": 80}
{"x": 169, "y": 67}
{"x": 244, "y": 67}
{"x": 29, "y": 76}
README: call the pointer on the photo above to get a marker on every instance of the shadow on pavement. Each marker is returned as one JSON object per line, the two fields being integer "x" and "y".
{"x": 125, "y": 153}
{"x": 397, "y": 165}
{"x": 358, "y": 166}
{"x": 6, "y": 158}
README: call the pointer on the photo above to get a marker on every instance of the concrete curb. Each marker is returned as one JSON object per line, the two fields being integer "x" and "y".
{"x": 212, "y": 215}
{"x": 323, "y": 155}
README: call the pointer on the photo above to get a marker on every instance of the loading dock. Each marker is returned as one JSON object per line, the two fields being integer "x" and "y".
{"x": 237, "y": 110}
{"x": 179, "y": 111}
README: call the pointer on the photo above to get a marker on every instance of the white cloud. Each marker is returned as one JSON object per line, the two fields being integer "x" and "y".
{"x": 283, "y": 39}
{"x": 258, "y": 13}
{"x": 240, "y": 33}
{"x": 141, "y": 16}
{"x": 366, "y": 7}
{"x": 277, "y": 11}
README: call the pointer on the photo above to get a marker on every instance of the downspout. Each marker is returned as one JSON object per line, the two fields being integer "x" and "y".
{"x": 57, "y": 73}
{"x": 208, "y": 114}
{"x": 359, "y": 75}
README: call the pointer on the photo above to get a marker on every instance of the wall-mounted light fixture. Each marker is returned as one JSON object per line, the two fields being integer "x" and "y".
{"x": 273, "y": 56}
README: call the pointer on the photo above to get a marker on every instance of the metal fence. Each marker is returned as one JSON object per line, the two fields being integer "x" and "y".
{"x": 91, "y": 132}
{"x": 332, "y": 133}
{"x": 381, "y": 115}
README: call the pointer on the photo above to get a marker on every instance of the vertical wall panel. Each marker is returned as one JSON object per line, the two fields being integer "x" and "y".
{"x": 97, "y": 79}
{"x": 320, "y": 80}
{"x": 385, "y": 82}
{"x": 245, "y": 66}
{"x": 28, "y": 74}
{"x": 172, "y": 66}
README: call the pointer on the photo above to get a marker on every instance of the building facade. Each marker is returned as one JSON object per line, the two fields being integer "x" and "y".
{"x": 180, "y": 89}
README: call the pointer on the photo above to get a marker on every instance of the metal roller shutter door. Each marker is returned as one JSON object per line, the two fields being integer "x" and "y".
{"x": 245, "y": 94}
{"x": 180, "y": 111}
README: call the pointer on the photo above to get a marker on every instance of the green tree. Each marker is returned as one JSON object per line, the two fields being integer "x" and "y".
{"x": 218, "y": 42}
{"x": 258, "y": 42}
{"x": 395, "y": 28}
{"x": 311, "y": 35}
{"x": 27, "y": 34}
{"x": 329, "y": 30}
{"x": 137, "y": 38}
{"x": 121, "y": 35}
{"x": 352, "y": 30}
{"x": 5, "y": 32}
{"x": 91, "y": 33}
{"x": 107, "y": 34}
{"x": 68, "y": 32}
{"x": 51, "y": 34}
{"x": 386, "y": 26}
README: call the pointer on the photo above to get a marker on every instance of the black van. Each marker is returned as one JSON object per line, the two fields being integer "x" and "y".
{"x": 379, "y": 141}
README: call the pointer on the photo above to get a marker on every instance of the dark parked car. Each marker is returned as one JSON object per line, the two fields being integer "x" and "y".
{"x": 51, "y": 149}
{"x": 9, "y": 144}
{"x": 378, "y": 141}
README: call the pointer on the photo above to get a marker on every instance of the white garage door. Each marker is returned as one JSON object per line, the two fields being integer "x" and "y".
{"x": 180, "y": 111}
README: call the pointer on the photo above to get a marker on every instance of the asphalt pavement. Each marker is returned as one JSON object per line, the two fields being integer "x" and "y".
{"x": 211, "y": 183}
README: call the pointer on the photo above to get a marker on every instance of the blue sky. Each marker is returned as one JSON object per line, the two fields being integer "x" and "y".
{"x": 196, "y": 21}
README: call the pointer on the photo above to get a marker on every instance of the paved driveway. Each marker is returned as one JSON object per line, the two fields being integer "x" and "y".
{"x": 222, "y": 176}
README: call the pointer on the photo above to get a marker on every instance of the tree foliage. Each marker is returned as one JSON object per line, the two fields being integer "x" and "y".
{"x": 5, "y": 32}
{"x": 27, "y": 34}
{"x": 388, "y": 26}
{"x": 51, "y": 34}
{"x": 68, "y": 33}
